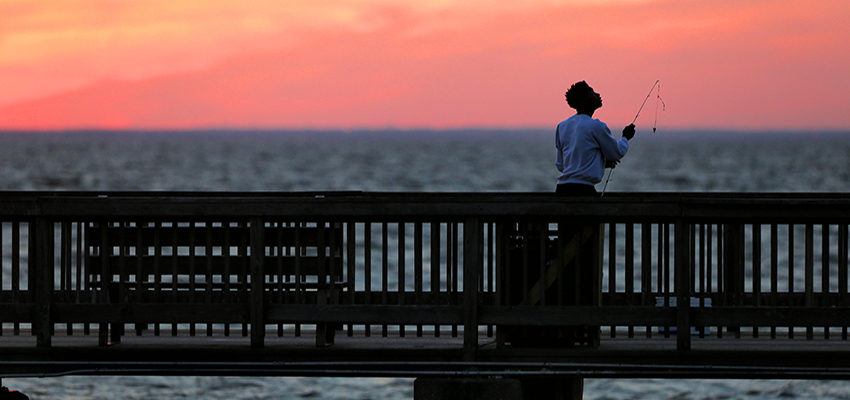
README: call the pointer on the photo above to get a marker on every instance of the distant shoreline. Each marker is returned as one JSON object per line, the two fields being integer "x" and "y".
{"x": 423, "y": 133}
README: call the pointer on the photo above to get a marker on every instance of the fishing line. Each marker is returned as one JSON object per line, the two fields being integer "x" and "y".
{"x": 654, "y": 124}
{"x": 644, "y": 100}
{"x": 663, "y": 106}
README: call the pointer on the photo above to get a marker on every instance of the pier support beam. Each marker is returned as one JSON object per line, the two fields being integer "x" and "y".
{"x": 544, "y": 388}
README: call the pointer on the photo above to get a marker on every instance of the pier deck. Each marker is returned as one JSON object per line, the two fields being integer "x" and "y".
{"x": 376, "y": 356}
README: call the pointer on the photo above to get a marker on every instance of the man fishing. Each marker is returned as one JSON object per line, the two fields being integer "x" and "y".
{"x": 585, "y": 145}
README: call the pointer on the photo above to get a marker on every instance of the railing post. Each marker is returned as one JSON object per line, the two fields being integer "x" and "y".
{"x": 733, "y": 265}
{"x": 43, "y": 280}
{"x": 683, "y": 261}
{"x": 472, "y": 263}
{"x": 257, "y": 319}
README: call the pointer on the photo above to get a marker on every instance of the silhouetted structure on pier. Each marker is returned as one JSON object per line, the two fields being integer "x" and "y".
{"x": 426, "y": 285}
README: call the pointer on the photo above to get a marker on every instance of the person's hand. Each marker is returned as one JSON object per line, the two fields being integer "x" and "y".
{"x": 611, "y": 164}
{"x": 629, "y": 132}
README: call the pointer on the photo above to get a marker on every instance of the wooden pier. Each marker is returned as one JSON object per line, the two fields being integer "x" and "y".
{"x": 426, "y": 285}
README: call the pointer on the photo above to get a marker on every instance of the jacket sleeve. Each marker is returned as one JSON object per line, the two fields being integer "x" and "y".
{"x": 559, "y": 158}
{"x": 612, "y": 149}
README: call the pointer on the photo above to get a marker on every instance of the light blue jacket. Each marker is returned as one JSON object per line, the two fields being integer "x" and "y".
{"x": 584, "y": 144}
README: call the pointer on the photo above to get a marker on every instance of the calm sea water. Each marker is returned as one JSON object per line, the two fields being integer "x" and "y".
{"x": 456, "y": 161}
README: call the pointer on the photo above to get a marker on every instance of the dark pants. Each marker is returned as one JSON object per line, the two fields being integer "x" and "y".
{"x": 576, "y": 190}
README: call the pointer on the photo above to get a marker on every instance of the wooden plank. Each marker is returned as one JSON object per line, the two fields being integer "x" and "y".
{"x": 578, "y": 315}
{"x": 152, "y": 313}
{"x": 17, "y": 313}
{"x": 207, "y": 233}
{"x": 184, "y": 265}
{"x": 772, "y": 316}
{"x": 388, "y": 314}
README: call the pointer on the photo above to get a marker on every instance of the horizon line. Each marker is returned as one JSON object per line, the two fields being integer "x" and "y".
{"x": 713, "y": 130}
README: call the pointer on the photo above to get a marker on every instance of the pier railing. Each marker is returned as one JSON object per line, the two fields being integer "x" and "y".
{"x": 690, "y": 265}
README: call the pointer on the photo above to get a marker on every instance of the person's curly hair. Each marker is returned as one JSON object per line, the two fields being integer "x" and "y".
{"x": 577, "y": 94}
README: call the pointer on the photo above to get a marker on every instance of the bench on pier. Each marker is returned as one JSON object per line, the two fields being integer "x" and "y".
{"x": 183, "y": 264}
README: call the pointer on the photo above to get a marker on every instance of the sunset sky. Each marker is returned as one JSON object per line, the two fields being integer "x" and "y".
{"x": 347, "y": 64}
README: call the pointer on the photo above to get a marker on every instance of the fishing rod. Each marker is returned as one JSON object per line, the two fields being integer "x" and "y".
{"x": 636, "y": 117}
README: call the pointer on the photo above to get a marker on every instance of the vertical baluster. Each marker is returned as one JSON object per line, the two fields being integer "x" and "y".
{"x": 141, "y": 278}
{"x": 402, "y": 278}
{"x": 542, "y": 238}
{"x": 524, "y": 234}
{"x": 226, "y": 279}
{"x": 612, "y": 269}
{"x": 666, "y": 266}
{"x": 80, "y": 252}
{"x": 245, "y": 266}
{"x": 65, "y": 271}
{"x": 455, "y": 241}
{"x": 367, "y": 269}
{"x": 791, "y": 300}
{"x": 774, "y": 271}
{"x": 279, "y": 274}
{"x": 709, "y": 258}
{"x": 157, "y": 269}
{"x": 322, "y": 332}
{"x": 192, "y": 250}
{"x": 502, "y": 273}
{"x": 491, "y": 268}
{"x": 351, "y": 259}
{"x": 256, "y": 301}
{"x": 756, "y": 238}
{"x": 630, "y": 270}
{"x": 825, "y": 273}
{"x": 435, "y": 268}
{"x": 298, "y": 252}
{"x": 842, "y": 272}
{"x": 119, "y": 296}
{"x": 208, "y": 275}
{"x": 702, "y": 272}
{"x": 559, "y": 256}
{"x": 417, "y": 268}
{"x": 810, "y": 274}
{"x": 384, "y": 270}
{"x": 175, "y": 251}
{"x": 16, "y": 271}
{"x": 660, "y": 277}
{"x": 334, "y": 258}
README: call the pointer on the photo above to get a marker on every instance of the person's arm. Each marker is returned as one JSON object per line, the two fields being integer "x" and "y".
{"x": 559, "y": 158}
{"x": 612, "y": 149}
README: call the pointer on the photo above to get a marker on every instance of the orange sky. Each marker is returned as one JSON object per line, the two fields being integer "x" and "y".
{"x": 141, "y": 64}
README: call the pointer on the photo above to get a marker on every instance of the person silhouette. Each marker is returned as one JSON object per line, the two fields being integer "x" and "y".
{"x": 585, "y": 145}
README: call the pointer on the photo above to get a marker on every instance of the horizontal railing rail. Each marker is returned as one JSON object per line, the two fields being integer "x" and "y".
{"x": 688, "y": 266}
